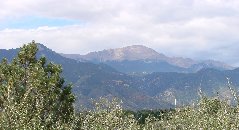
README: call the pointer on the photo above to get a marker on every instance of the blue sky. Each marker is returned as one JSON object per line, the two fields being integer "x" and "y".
{"x": 31, "y": 22}
{"x": 199, "y": 29}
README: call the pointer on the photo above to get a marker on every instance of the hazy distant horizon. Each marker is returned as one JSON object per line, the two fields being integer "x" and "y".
{"x": 197, "y": 29}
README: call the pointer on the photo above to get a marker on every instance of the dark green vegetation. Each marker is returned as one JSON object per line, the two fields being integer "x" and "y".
{"x": 142, "y": 115}
{"x": 32, "y": 92}
{"x": 33, "y": 95}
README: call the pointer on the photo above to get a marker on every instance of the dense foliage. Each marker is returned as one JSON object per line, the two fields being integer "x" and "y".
{"x": 32, "y": 92}
{"x": 207, "y": 114}
{"x": 33, "y": 95}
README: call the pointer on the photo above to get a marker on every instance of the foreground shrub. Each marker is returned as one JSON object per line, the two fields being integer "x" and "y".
{"x": 108, "y": 115}
{"x": 208, "y": 114}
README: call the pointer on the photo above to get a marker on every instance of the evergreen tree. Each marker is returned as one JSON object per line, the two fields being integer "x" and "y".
{"x": 33, "y": 93}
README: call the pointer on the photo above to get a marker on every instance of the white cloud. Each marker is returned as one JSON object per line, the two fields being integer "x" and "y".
{"x": 190, "y": 28}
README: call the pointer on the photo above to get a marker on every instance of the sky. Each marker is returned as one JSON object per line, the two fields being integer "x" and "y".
{"x": 198, "y": 29}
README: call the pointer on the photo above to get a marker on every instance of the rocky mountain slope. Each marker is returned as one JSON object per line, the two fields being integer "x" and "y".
{"x": 141, "y": 59}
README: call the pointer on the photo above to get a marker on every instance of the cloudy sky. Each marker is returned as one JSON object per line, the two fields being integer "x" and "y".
{"x": 201, "y": 29}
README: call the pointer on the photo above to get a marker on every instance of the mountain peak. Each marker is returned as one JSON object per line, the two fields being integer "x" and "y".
{"x": 135, "y": 47}
{"x": 134, "y": 52}
{"x": 41, "y": 47}
{"x": 139, "y": 49}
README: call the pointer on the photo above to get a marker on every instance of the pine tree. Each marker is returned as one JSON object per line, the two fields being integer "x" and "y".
{"x": 32, "y": 92}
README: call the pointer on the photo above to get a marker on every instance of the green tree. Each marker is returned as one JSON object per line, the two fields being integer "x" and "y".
{"x": 33, "y": 93}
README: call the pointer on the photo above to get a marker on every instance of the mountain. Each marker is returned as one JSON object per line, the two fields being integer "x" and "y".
{"x": 148, "y": 91}
{"x": 210, "y": 64}
{"x": 144, "y": 66}
{"x": 73, "y": 70}
{"x": 92, "y": 81}
{"x": 135, "y": 52}
{"x": 185, "y": 86}
{"x": 141, "y": 59}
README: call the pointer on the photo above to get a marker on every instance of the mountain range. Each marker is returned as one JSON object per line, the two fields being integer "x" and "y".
{"x": 141, "y": 59}
{"x": 165, "y": 80}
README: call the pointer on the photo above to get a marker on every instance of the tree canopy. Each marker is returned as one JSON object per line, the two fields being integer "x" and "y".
{"x": 32, "y": 92}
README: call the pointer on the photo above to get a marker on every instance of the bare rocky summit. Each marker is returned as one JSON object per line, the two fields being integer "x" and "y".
{"x": 149, "y": 57}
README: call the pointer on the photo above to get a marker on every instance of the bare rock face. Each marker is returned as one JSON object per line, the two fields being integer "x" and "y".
{"x": 135, "y": 52}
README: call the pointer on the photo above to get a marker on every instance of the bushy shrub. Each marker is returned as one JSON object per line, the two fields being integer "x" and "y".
{"x": 208, "y": 114}
{"x": 108, "y": 115}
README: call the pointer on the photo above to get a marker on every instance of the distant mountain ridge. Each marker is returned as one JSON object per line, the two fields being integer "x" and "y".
{"x": 149, "y": 91}
{"x": 126, "y": 58}
{"x": 91, "y": 81}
